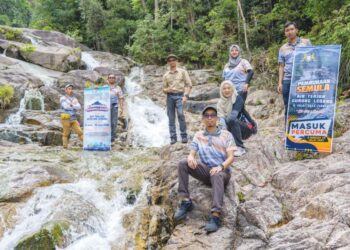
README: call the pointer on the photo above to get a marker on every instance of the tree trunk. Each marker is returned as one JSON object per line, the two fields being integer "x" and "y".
{"x": 244, "y": 27}
{"x": 171, "y": 14}
{"x": 144, "y": 4}
{"x": 156, "y": 10}
{"x": 238, "y": 26}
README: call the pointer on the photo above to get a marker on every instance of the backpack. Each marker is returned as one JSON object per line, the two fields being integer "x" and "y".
{"x": 248, "y": 126}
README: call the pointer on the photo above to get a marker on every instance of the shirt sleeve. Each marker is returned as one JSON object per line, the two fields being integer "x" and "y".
{"x": 188, "y": 82}
{"x": 194, "y": 145}
{"x": 230, "y": 143}
{"x": 65, "y": 104}
{"x": 119, "y": 92}
{"x": 165, "y": 83}
{"x": 281, "y": 57}
{"x": 76, "y": 105}
{"x": 247, "y": 66}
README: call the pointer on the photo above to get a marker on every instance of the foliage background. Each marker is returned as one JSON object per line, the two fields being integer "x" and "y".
{"x": 198, "y": 31}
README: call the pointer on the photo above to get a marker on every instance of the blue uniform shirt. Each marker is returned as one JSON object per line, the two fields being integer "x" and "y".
{"x": 286, "y": 56}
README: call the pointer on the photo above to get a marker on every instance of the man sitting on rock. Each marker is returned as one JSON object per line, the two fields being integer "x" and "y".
{"x": 69, "y": 106}
{"x": 215, "y": 148}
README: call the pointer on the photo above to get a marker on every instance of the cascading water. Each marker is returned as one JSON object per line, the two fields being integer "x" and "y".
{"x": 89, "y": 60}
{"x": 149, "y": 121}
{"x": 95, "y": 219}
{"x": 27, "y": 101}
{"x": 33, "y": 40}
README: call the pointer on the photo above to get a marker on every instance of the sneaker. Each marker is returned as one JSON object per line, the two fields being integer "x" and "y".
{"x": 213, "y": 224}
{"x": 185, "y": 206}
{"x": 239, "y": 152}
{"x": 184, "y": 140}
{"x": 172, "y": 141}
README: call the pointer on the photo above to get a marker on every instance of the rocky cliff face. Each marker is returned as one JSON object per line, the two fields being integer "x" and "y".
{"x": 126, "y": 199}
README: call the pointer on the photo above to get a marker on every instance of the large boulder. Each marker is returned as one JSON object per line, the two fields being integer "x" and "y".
{"x": 114, "y": 61}
{"x": 51, "y": 97}
{"x": 78, "y": 78}
{"x": 56, "y": 57}
{"x": 35, "y": 37}
{"x": 26, "y": 134}
{"x": 22, "y": 179}
{"x": 49, "y": 37}
{"x": 205, "y": 92}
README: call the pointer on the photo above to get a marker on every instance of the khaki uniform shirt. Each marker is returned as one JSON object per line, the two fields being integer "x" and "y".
{"x": 177, "y": 81}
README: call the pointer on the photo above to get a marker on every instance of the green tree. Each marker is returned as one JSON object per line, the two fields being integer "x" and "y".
{"x": 15, "y": 13}
{"x": 93, "y": 16}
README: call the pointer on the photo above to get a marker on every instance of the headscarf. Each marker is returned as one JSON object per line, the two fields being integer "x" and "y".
{"x": 233, "y": 62}
{"x": 225, "y": 103}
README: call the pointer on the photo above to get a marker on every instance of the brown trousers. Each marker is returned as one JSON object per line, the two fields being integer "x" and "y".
{"x": 217, "y": 181}
{"x": 67, "y": 127}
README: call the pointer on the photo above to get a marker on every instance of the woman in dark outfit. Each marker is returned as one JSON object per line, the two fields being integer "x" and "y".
{"x": 229, "y": 107}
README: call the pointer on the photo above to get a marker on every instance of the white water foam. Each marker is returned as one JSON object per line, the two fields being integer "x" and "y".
{"x": 29, "y": 95}
{"x": 149, "y": 121}
{"x": 105, "y": 228}
{"x": 89, "y": 60}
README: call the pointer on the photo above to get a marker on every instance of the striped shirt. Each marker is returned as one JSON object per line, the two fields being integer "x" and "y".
{"x": 286, "y": 56}
{"x": 213, "y": 148}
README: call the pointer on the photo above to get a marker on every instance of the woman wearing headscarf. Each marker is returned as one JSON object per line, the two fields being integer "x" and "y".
{"x": 230, "y": 105}
{"x": 238, "y": 71}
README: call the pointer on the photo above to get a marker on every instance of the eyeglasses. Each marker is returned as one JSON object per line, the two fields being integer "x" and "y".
{"x": 111, "y": 77}
{"x": 207, "y": 116}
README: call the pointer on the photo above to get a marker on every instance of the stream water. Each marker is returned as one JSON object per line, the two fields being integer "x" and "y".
{"x": 95, "y": 202}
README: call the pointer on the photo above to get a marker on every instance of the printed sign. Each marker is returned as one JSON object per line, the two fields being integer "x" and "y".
{"x": 312, "y": 98}
{"x": 97, "y": 120}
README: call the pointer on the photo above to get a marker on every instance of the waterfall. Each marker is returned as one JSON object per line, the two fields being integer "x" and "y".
{"x": 96, "y": 221}
{"x": 149, "y": 121}
{"x": 33, "y": 40}
{"x": 89, "y": 60}
{"x": 30, "y": 96}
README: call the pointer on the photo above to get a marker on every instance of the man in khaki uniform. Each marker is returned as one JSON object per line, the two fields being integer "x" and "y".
{"x": 177, "y": 85}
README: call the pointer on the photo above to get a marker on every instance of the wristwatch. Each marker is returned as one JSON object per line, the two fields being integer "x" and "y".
{"x": 222, "y": 167}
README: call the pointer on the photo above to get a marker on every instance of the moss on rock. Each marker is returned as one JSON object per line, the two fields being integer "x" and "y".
{"x": 38, "y": 241}
{"x": 51, "y": 235}
{"x": 11, "y": 33}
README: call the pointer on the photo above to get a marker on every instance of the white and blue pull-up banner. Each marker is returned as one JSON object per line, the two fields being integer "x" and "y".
{"x": 97, "y": 119}
{"x": 312, "y": 98}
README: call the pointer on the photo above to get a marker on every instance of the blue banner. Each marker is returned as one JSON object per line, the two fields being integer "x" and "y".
{"x": 97, "y": 119}
{"x": 312, "y": 98}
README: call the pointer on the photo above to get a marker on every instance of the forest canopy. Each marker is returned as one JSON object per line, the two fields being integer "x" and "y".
{"x": 198, "y": 31}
